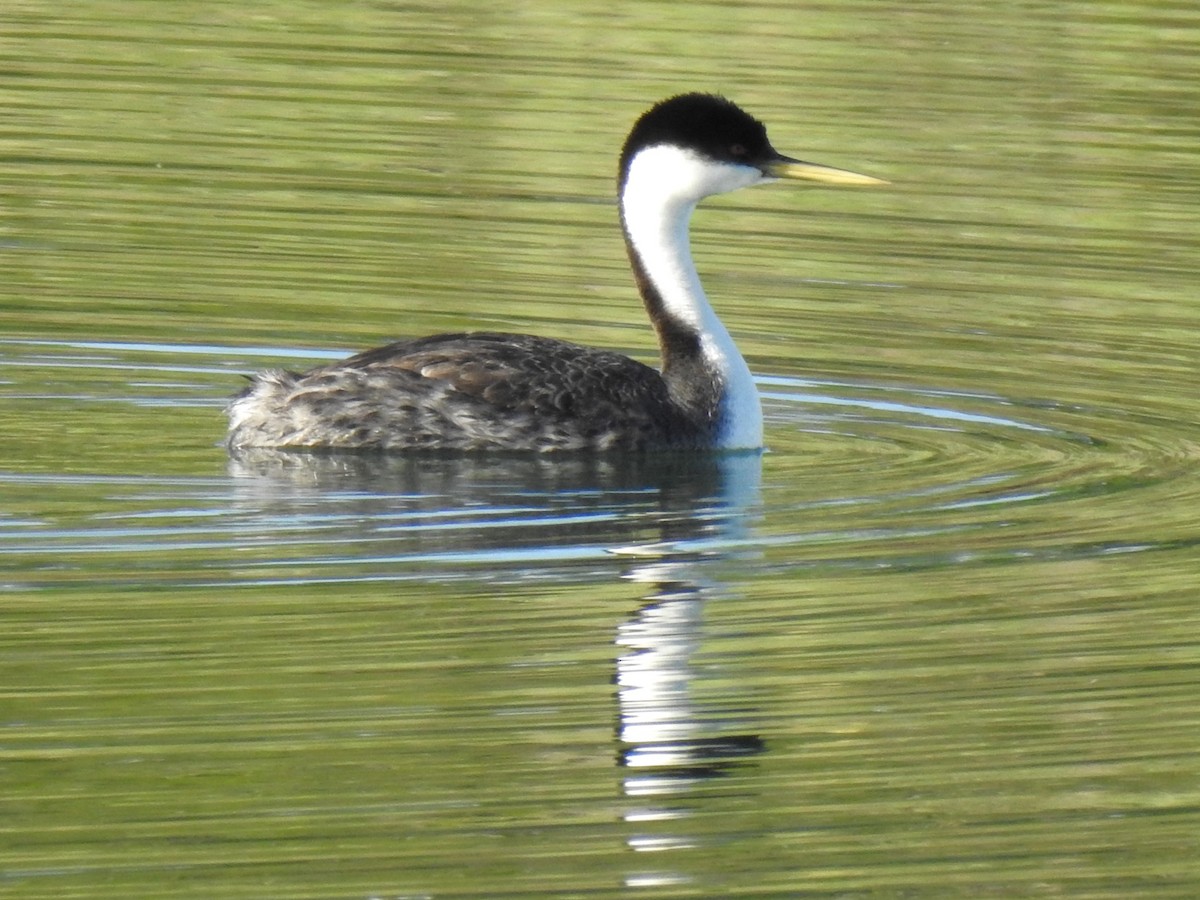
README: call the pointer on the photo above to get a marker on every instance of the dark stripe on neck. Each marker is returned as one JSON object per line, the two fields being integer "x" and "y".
{"x": 693, "y": 384}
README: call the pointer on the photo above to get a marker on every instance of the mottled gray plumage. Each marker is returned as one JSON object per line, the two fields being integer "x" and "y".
{"x": 479, "y": 391}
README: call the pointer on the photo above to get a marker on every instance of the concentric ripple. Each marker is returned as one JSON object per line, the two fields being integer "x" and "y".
{"x": 862, "y": 474}
{"x": 1003, "y": 475}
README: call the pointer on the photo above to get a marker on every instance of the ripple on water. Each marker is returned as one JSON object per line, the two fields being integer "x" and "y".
{"x": 863, "y": 473}
{"x": 1008, "y": 476}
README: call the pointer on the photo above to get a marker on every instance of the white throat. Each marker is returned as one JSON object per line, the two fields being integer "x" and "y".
{"x": 662, "y": 187}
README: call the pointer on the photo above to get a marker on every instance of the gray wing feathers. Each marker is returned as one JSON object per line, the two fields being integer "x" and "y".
{"x": 464, "y": 392}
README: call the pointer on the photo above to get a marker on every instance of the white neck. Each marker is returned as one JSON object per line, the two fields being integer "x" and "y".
{"x": 662, "y": 187}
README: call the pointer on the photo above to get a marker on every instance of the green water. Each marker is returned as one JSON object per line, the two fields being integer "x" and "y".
{"x": 940, "y": 642}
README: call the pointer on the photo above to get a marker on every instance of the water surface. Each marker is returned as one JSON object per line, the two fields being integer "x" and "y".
{"x": 940, "y": 641}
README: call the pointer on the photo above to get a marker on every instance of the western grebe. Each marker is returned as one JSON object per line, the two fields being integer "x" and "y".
{"x": 486, "y": 391}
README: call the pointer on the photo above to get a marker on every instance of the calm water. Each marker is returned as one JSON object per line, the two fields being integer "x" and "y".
{"x": 941, "y": 641}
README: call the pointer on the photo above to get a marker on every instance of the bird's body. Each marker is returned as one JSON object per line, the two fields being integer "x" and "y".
{"x": 481, "y": 391}
{"x": 490, "y": 391}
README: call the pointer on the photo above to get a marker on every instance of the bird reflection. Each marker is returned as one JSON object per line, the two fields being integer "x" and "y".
{"x": 494, "y": 506}
{"x": 670, "y": 741}
{"x": 664, "y": 736}
{"x": 675, "y": 519}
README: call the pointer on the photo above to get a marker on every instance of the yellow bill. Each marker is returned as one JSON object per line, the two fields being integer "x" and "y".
{"x": 804, "y": 171}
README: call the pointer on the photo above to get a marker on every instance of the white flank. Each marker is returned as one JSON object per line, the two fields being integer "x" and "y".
{"x": 662, "y": 187}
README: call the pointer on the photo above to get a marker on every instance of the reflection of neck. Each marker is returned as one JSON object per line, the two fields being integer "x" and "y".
{"x": 653, "y": 675}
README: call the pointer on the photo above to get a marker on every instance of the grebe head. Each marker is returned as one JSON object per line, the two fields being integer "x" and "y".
{"x": 679, "y": 152}
{"x": 695, "y": 145}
